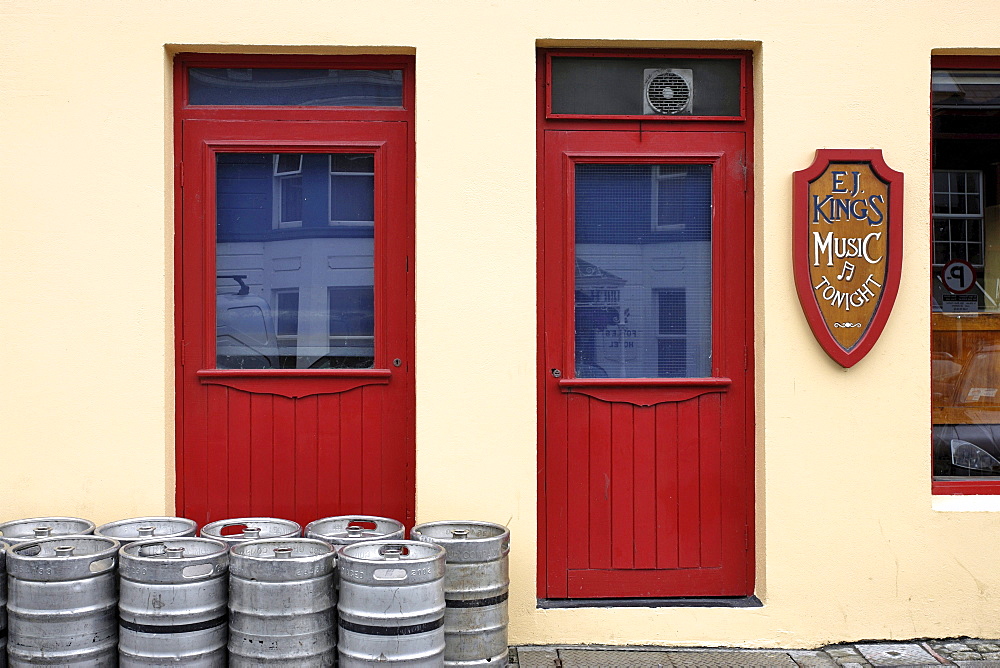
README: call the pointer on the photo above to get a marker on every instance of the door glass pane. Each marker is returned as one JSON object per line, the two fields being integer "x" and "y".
{"x": 643, "y": 278}
{"x": 268, "y": 86}
{"x": 294, "y": 289}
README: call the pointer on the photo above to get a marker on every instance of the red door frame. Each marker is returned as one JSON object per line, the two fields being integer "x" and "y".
{"x": 552, "y": 585}
{"x": 201, "y": 132}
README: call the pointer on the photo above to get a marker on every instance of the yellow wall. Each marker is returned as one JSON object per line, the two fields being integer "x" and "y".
{"x": 850, "y": 542}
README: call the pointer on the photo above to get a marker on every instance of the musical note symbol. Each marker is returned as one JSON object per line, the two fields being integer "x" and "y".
{"x": 848, "y": 273}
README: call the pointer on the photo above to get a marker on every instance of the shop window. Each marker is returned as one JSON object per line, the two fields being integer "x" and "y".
{"x": 965, "y": 275}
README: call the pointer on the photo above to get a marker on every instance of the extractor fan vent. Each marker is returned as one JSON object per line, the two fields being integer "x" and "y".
{"x": 669, "y": 92}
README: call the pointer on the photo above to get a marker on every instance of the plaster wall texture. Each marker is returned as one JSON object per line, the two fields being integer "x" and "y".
{"x": 849, "y": 543}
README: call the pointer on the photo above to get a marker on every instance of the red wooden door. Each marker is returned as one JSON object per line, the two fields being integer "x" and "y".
{"x": 295, "y": 393}
{"x": 646, "y": 384}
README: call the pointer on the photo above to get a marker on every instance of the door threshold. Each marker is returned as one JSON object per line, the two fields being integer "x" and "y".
{"x": 691, "y": 602}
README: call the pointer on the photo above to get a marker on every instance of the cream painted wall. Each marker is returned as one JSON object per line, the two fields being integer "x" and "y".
{"x": 849, "y": 543}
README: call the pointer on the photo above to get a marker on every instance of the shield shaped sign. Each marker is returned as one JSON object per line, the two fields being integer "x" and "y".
{"x": 847, "y": 248}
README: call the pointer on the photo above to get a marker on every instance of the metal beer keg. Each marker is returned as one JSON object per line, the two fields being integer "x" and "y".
{"x": 36, "y": 528}
{"x": 476, "y": 582}
{"x": 63, "y": 602}
{"x": 173, "y": 603}
{"x": 144, "y": 528}
{"x": 3, "y": 604}
{"x": 235, "y": 531}
{"x": 281, "y": 603}
{"x": 391, "y": 604}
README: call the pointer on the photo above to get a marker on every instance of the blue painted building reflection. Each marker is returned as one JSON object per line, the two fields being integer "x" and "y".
{"x": 295, "y": 260}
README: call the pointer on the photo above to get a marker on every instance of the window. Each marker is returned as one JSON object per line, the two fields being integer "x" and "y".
{"x": 352, "y": 182}
{"x": 286, "y": 326}
{"x": 965, "y": 275}
{"x": 288, "y": 189}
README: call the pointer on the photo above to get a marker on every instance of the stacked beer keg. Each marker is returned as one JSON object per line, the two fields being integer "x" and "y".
{"x": 252, "y": 592}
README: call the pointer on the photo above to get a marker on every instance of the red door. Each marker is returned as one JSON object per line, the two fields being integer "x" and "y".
{"x": 646, "y": 383}
{"x": 295, "y": 393}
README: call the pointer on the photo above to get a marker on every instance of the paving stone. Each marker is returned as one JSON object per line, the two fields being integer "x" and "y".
{"x": 986, "y": 647}
{"x": 852, "y": 662}
{"x": 991, "y": 656}
{"x": 842, "y": 651}
{"x": 536, "y": 657}
{"x": 896, "y": 654}
{"x": 966, "y": 656}
{"x": 957, "y": 647}
{"x": 978, "y": 664}
{"x": 731, "y": 658}
{"x": 812, "y": 659}
{"x": 609, "y": 658}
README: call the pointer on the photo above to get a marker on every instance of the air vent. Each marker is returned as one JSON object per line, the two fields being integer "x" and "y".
{"x": 668, "y": 92}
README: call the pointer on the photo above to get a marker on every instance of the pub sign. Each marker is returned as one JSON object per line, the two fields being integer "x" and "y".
{"x": 847, "y": 248}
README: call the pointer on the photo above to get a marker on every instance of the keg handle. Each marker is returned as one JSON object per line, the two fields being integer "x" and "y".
{"x": 392, "y": 552}
{"x": 152, "y": 550}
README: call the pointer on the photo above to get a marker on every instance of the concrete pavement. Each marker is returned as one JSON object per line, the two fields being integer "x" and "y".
{"x": 963, "y": 652}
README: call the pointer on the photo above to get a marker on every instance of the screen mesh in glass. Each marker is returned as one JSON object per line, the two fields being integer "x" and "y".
{"x": 643, "y": 271}
{"x": 295, "y": 261}
{"x": 617, "y": 86}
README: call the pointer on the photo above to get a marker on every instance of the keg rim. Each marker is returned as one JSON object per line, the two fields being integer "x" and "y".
{"x": 131, "y": 550}
{"x": 348, "y": 551}
{"x": 209, "y": 530}
{"x": 312, "y": 529}
{"x": 502, "y": 536}
{"x": 189, "y": 525}
{"x": 86, "y": 530}
{"x": 240, "y": 549}
{"x": 22, "y": 566}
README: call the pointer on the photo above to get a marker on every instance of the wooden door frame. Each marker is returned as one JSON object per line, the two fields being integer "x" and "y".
{"x": 547, "y": 121}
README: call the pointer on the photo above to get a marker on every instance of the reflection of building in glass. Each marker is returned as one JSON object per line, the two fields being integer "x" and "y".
{"x": 278, "y": 86}
{"x": 643, "y": 270}
{"x": 300, "y": 229}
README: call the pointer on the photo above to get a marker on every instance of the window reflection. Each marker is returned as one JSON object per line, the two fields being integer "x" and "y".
{"x": 294, "y": 285}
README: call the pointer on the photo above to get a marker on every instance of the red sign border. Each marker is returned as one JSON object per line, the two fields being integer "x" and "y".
{"x": 800, "y": 249}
